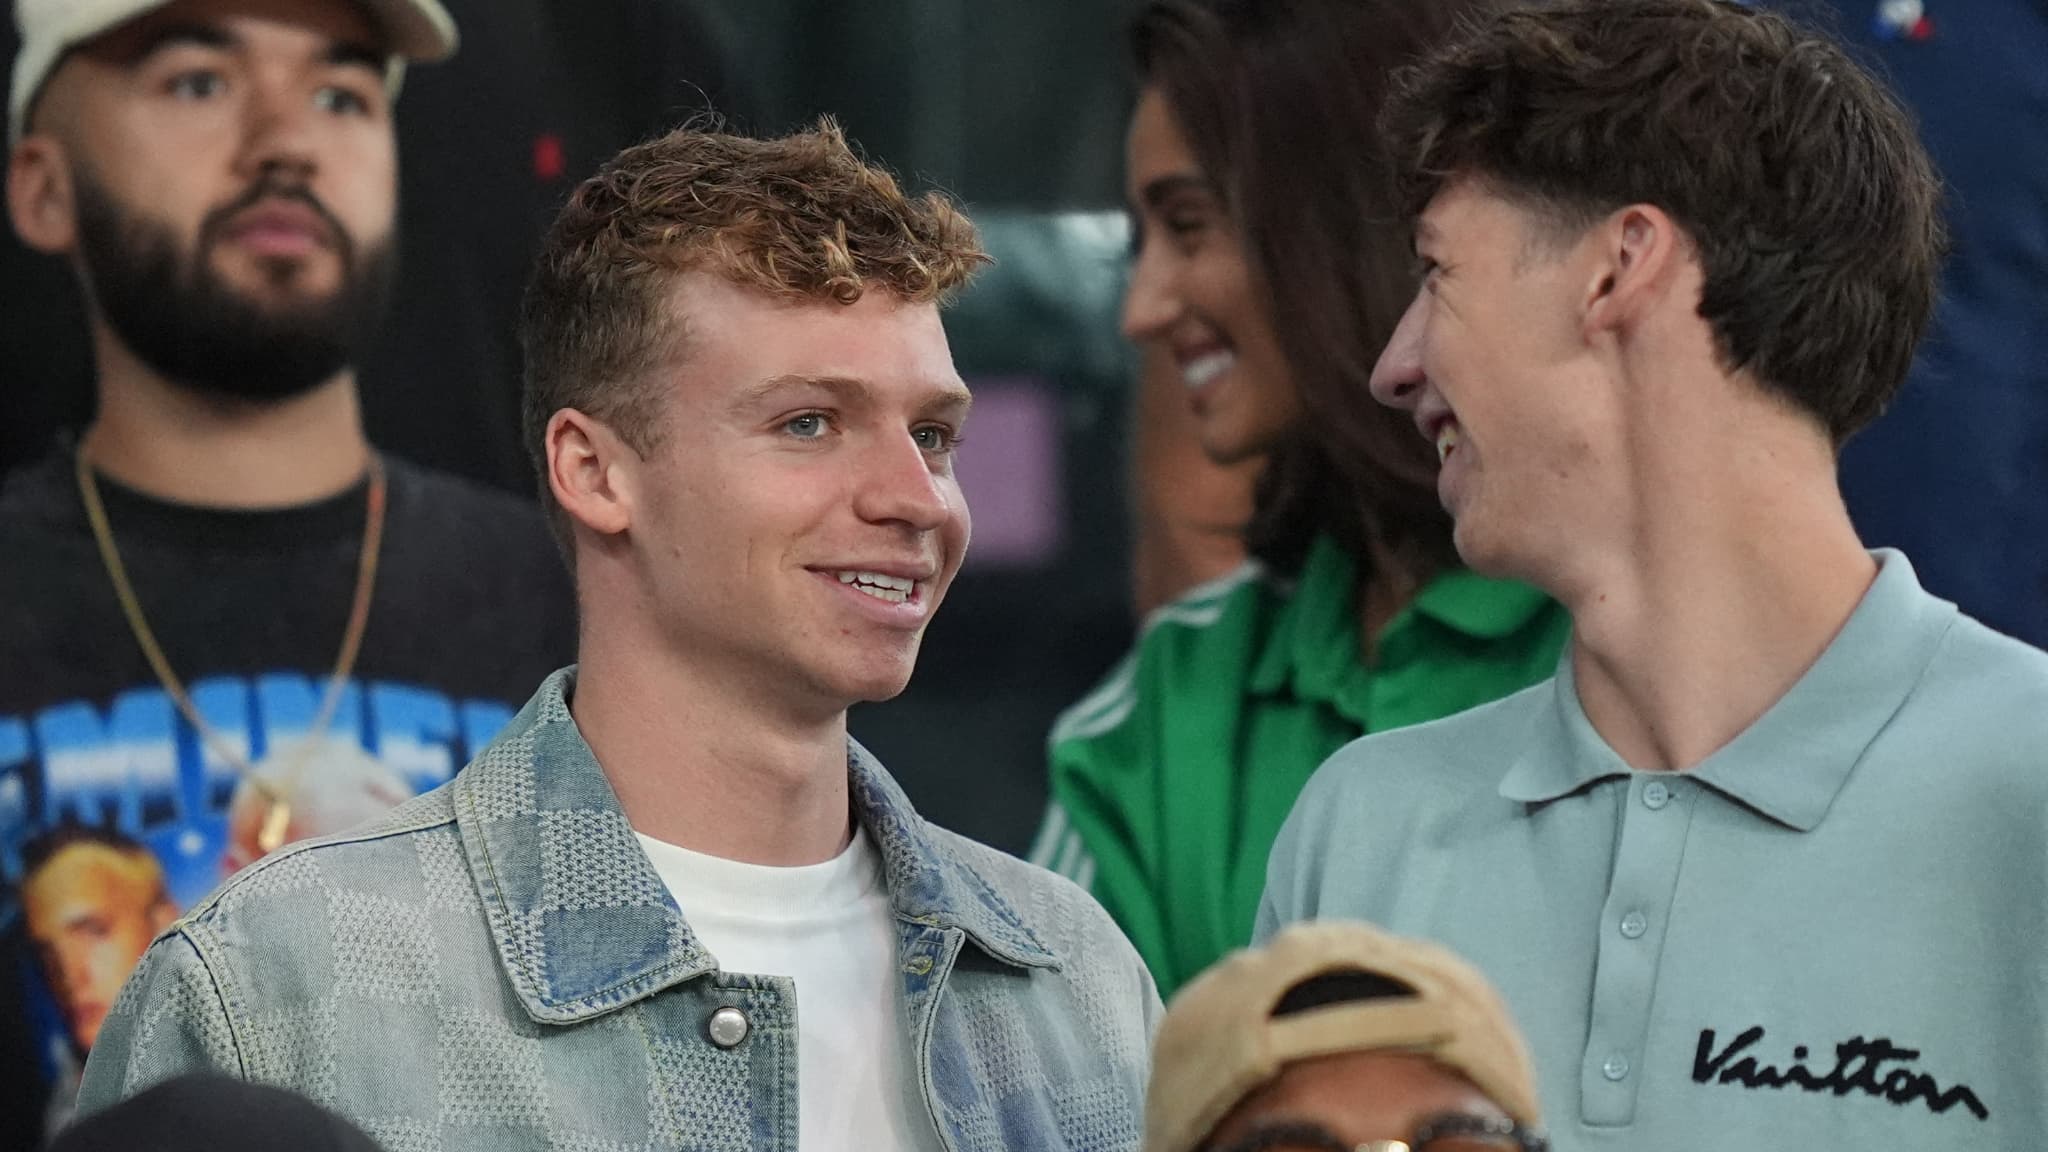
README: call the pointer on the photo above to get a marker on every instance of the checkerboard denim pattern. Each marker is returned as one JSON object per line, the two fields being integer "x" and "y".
{"x": 495, "y": 965}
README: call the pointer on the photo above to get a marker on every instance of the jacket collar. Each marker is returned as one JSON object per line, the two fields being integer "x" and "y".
{"x": 1796, "y": 758}
{"x": 584, "y": 924}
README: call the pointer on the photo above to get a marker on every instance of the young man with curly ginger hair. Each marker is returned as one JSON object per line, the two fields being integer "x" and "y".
{"x": 1762, "y": 866}
{"x": 674, "y": 906}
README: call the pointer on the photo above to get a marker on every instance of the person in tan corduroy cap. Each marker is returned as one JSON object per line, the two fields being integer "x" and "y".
{"x": 1338, "y": 1037}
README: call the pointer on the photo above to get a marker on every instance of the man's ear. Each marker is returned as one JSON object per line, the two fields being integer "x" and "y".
{"x": 40, "y": 199}
{"x": 1636, "y": 252}
{"x": 591, "y": 472}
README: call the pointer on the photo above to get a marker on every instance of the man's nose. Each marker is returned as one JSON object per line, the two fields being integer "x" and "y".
{"x": 73, "y": 973}
{"x": 900, "y": 486}
{"x": 1398, "y": 378}
{"x": 278, "y": 130}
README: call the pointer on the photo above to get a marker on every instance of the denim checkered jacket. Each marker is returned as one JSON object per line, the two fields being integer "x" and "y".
{"x": 496, "y": 966}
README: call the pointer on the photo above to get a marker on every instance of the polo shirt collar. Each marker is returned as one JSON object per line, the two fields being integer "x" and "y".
{"x": 1794, "y": 760}
{"x": 1313, "y": 648}
{"x": 1562, "y": 753}
{"x": 558, "y": 868}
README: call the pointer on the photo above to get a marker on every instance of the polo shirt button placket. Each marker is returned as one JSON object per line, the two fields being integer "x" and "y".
{"x": 1642, "y": 888}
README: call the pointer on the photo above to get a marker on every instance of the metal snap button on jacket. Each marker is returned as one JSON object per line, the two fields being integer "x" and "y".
{"x": 728, "y": 1027}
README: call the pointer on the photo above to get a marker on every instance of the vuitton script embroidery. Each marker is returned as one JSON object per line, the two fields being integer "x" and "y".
{"x": 1859, "y": 1067}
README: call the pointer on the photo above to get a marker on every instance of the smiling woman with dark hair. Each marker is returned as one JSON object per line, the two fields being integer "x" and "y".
{"x": 1271, "y": 269}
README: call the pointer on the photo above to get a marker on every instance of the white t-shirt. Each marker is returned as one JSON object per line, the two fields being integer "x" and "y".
{"x": 829, "y": 929}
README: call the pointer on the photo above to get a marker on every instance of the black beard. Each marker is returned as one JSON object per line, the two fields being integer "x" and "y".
{"x": 178, "y": 317}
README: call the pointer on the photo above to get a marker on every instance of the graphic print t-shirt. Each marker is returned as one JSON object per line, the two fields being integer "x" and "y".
{"x": 114, "y": 810}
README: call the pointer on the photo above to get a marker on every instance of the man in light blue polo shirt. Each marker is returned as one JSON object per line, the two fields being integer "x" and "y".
{"x": 1764, "y": 866}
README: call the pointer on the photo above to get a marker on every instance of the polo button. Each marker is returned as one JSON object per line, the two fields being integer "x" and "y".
{"x": 1634, "y": 924}
{"x": 1656, "y": 794}
{"x": 728, "y": 1027}
{"x": 1616, "y": 1067}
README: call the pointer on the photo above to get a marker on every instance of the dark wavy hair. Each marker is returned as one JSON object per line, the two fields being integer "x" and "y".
{"x": 1801, "y": 180}
{"x": 1279, "y": 100}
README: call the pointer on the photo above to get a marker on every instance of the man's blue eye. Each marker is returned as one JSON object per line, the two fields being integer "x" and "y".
{"x": 809, "y": 426}
{"x": 935, "y": 438}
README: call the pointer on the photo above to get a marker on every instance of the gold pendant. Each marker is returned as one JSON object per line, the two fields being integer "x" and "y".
{"x": 276, "y": 819}
{"x": 311, "y": 789}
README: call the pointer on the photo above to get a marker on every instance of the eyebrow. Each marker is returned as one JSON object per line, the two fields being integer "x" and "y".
{"x": 1273, "y": 1133}
{"x": 1424, "y": 232}
{"x": 346, "y": 52}
{"x": 341, "y": 53}
{"x": 1158, "y": 191}
{"x": 1300, "y": 1131}
{"x": 848, "y": 389}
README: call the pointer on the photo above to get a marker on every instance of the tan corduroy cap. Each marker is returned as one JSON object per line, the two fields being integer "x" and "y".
{"x": 417, "y": 30}
{"x": 1220, "y": 1041}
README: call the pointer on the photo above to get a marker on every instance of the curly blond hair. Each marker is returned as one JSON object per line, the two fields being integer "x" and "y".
{"x": 802, "y": 217}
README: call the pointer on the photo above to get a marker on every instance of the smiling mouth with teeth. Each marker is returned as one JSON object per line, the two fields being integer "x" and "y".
{"x": 1446, "y": 441}
{"x": 1198, "y": 372}
{"x": 893, "y": 589}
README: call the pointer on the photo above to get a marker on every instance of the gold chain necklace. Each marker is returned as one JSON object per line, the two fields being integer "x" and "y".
{"x": 277, "y": 797}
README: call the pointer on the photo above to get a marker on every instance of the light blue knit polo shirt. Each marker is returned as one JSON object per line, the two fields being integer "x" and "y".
{"x": 1832, "y": 933}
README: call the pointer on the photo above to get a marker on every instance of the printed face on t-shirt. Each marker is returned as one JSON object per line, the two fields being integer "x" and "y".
{"x": 92, "y": 910}
{"x": 798, "y": 519}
